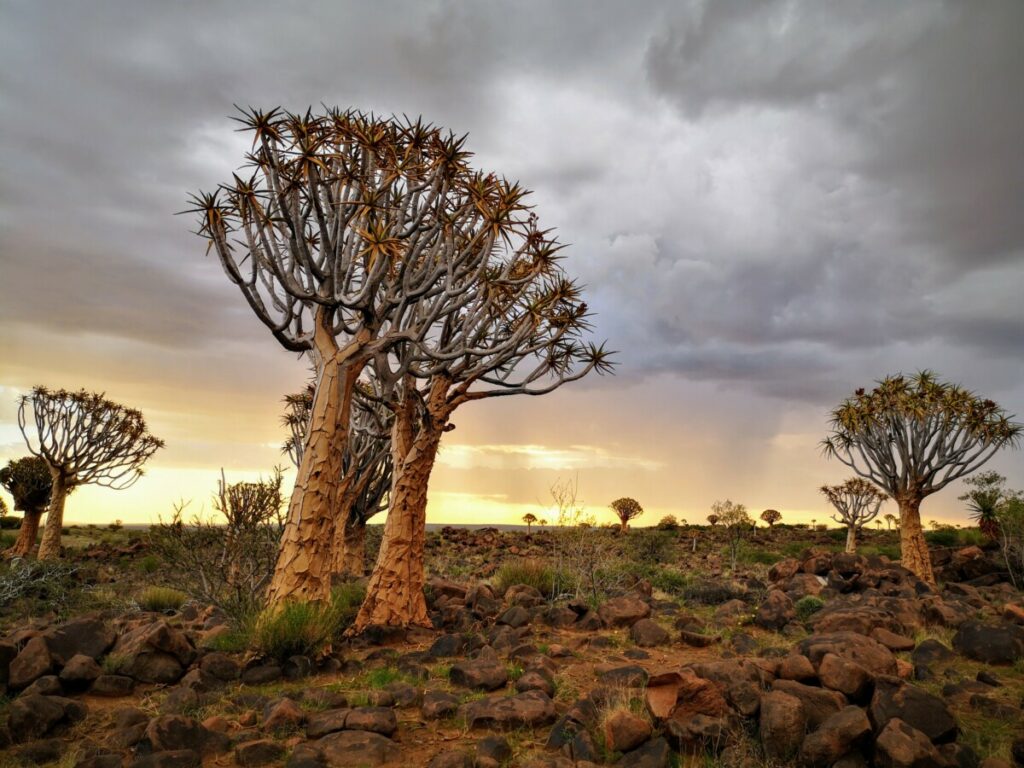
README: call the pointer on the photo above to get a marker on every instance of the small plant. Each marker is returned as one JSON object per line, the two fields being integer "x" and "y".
{"x": 807, "y": 606}
{"x": 161, "y": 599}
{"x": 668, "y": 523}
{"x": 115, "y": 526}
{"x": 533, "y": 573}
{"x": 149, "y": 564}
{"x": 295, "y": 629}
{"x": 942, "y": 536}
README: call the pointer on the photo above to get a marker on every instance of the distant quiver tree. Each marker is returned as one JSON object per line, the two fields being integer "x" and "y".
{"x": 857, "y": 503}
{"x": 912, "y": 436}
{"x": 84, "y": 439}
{"x": 29, "y": 482}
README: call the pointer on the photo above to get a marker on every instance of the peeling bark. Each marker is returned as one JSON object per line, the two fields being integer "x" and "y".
{"x": 304, "y": 561}
{"x": 913, "y": 547}
{"x": 394, "y": 594}
{"x": 851, "y": 540}
{"x": 26, "y": 543}
{"x": 49, "y": 548}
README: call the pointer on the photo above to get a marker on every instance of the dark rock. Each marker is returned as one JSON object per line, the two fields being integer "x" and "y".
{"x": 262, "y": 674}
{"x": 154, "y": 653}
{"x": 891, "y": 640}
{"x": 776, "y": 611}
{"x": 929, "y": 652}
{"x": 80, "y": 671}
{"x": 480, "y": 674}
{"x": 624, "y": 731}
{"x": 363, "y": 748}
{"x": 782, "y": 725}
{"x": 283, "y": 715}
{"x": 845, "y": 676}
{"x": 697, "y": 639}
{"x": 47, "y": 685}
{"x": 30, "y": 664}
{"x": 176, "y": 732}
{"x": 835, "y": 737}
{"x": 39, "y": 752}
{"x": 438, "y": 704}
{"x": 989, "y": 643}
{"x": 656, "y": 753}
{"x": 259, "y": 752}
{"x": 380, "y": 720}
{"x": 220, "y": 666}
{"x": 297, "y": 667}
{"x": 492, "y": 752}
{"x": 34, "y": 716}
{"x": 648, "y": 633}
{"x": 452, "y": 758}
{"x": 515, "y": 617}
{"x": 796, "y": 666}
{"x": 446, "y": 646}
{"x": 112, "y": 686}
{"x": 894, "y": 698}
{"x": 528, "y": 709}
{"x": 630, "y": 676}
{"x": 623, "y": 611}
{"x": 900, "y": 745}
{"x": 869, "y": 654}
{"x": 819, "y": 704}
{"x": 536, "y": 680}
{"x": 86, "y": 636}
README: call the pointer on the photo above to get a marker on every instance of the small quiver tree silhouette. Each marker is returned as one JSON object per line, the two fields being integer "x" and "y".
{"x": 29, "y": 482}
{"x": 712, "y": 520}
{"x": 913, "y": 436}
{"x": 626, "y": 509}
{"x": 857, "y": 503}
{"x": 890, "y": 519}
{"x": 529, "y": 518}
{"x": 84, "y": 439}
{"x": 771, "y": 517}
{"x": 986, "y": 491}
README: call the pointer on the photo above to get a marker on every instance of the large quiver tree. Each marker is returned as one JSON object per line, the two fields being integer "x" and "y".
{"x": 347, "y": 222}
{"x": 514, "y": 328}
{"x": 84, "y": 439}
{"x": 913, "y": 436}
{"x": 29, "y": 482}
{"x": 857, "y": 503}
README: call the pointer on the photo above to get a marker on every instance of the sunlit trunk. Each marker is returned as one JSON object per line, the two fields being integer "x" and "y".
{"x": 851, "y": 540}
{"x": 913, "y": 547}
{"x": 26, "y": 543}
{"x": 350, "y": 548}
{"x": 304, "y": 560}
{"x": 49, "y": 548}
{"x": 394, "y": 594}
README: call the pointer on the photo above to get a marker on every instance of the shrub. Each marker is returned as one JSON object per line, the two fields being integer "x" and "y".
{"x": 51, "y": 582}
{"x": 7, "y": 540}
{"x": 668, "y": 523}
{"x": 10, "y": 522}
{"x": 227, "y": 564}
{"x": 943, "y": 536}
{"x": 650, "y": 547}
{"x": 161, "y": 599}
{"x": 749, "y": 554}
{"x": 346, "y": 600}
{"x": 669, "y": 580}
{"x": 533, "y": 573}
{"x": 295, "y": 629}
{"x": 807, "y": 606}
{"x": 149, "y": 564}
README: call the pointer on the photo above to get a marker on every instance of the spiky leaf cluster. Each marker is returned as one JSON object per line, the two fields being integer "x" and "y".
{"x": 29, "y": 482}
{"x": 913, "y": 435}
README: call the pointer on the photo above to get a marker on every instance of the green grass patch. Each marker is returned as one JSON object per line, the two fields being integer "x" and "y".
{"x": 807, "y": 606}
{"x": 528, "y": 571}
{"x": 161, "y": 599}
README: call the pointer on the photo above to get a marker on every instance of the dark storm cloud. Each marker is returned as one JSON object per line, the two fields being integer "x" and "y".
{"x": 769, "y": 194}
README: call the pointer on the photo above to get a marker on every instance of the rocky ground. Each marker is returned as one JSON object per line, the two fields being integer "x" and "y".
{"x": 738, "y": 672}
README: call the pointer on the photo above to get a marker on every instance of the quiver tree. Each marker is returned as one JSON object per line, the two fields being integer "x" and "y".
{"x": 857, "y": 503}
{"x": 712, "y": 520}
{"x": 353, "y": 233}
{"x": 771, "y": 517}
{"x": 986, "y": 492}
{"x": 366, "y": 470}
{"x": 84, "y": 439}
{"x": 913, "y": 436}
{"x": 513, "y": 328}
{"x": 626, "y": 509}
{"x": 29, "y": 482}
{"x": 529, "y": 518}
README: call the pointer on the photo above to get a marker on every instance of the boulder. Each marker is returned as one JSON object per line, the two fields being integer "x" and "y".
{"x": 177, "y": 732}
{"x": 655, "y": 753}
{"x": 80, "y": 671}
{"x": 31, "y": 663}
{"x": 438, "y": 704}
{"x": 364, "y": 748}
{"x": 154, "y": 653}
{"x": 87, "y": 636}
{"x": 623, "y": 611}
{"x": 989, "y": 643}
{"x": 648, "y": 633}
{"x": 528, "y": 710}
{"x": 283, "y": 715}
{"x": 624, "y": 731}
{"x": 819, "y": 704}
{"x": 112, "y": 686}
{"x": 866, "y": 653}
{"x": 897, "y": 699}
{"x": 220, "y": 666}
{"x": 836, "y": 736}
{"x": 776, "y": 611}
{"x": 380, "y": 720}
{"x": 34, "y": 716}
{"x": 847, "y": 677}
{"x": 900, "y": 745}
{"x": 484, "y": 674}
{"x": 782, "y": 725}
{"x": 259, "y": 752}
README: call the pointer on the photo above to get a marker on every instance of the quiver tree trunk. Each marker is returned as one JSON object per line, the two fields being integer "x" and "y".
{"x": 49, "y": 548}
{"x": 26, "y": 543}
{"x": 913, "y": 547}
{"x": 394, "y": 594}
{"x": 304, "y": 561}
{"x": 349, "y": 556}
{"x": 851, "y": 540}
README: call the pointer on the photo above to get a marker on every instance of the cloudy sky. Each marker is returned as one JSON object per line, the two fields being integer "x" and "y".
{"x": 772, "y": 203}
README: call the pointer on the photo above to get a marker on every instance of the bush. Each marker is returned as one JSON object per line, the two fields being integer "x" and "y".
{"x": 161, "y": 599}
{"x": 668, "y": 523}
{"x": 669, "y": 580}
{"x": 295, "y": 629}
{"x": 533, "y": 573}
{"x": 650, "y": 547}
{"x": 945, "y": 536}
{"x": 149, "y": 564}
{"x": 749, "y": 554}
{"x": 807, "y": 606}
{"x": 10, "y": 523}
{"x": 53, "y": 584}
